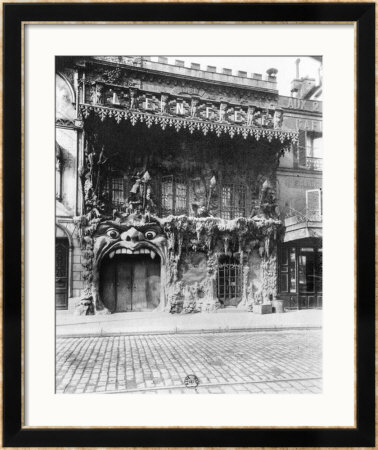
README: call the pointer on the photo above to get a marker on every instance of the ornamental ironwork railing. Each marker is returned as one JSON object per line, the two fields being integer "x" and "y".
{"x": 230, "y": 281}
{"x": 306, "y": 215}
{"x": 314, "y": 163}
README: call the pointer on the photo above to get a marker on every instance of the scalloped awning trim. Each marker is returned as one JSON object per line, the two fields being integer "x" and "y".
{"x": 190, "y": 124}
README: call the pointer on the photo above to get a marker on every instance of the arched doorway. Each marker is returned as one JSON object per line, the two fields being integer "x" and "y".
{"x": 130, "y": 282}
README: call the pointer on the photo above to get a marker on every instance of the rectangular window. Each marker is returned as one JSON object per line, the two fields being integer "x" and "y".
{"x": 115, "y": 192}
{"x": 118, "y": 195}
{"x": 181, "y": 198}
{"x": 310, "y": 150}
{"x": 174, "y": 196}
{"x": 232, "y": 201}
{"x": 167, "y": 195}
{"x": 314, "y": 204}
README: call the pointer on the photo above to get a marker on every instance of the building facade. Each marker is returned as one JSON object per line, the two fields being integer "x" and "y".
{"x": 174, "y": 186}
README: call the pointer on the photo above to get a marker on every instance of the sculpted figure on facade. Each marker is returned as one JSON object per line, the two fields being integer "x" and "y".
{"x": 250, "y": 115}
{"x": 140, "y": 198}
{"x": 277, "y": 118}
{"x": 267, "y": 119}
{"x": 96, "y": 94}
{"x": 135, "y": 195}
{"x": 132, "y": 98}
{"x": 194, "y": 107}
{"x": 268, "y": 200}
{"x": 164, "y": 104}
{"x": 222, "y": 112}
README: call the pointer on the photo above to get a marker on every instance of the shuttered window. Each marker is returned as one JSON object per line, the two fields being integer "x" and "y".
{"x": 314, "y": 204}
{"x": 302, "y": 152}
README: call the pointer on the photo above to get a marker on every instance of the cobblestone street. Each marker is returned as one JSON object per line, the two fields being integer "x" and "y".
{"x": 271, "y": 362}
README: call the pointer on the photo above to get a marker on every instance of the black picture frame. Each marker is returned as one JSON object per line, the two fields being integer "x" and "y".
{"x": 14, "y": 435}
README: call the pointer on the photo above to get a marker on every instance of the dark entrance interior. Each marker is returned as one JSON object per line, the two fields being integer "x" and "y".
{"x": 61, "y": 273}
{"x": 130, "y": 283}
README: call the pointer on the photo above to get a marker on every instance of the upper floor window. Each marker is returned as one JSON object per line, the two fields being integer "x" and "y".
{"x": 310, "y": 145}
{"x": 174, "y": 196}
{"x": 314, "y": 204}
{"x": 233, "y": 201}
{"x": 115, "y": 190}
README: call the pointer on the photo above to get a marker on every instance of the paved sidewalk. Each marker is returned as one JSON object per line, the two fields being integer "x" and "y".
{"x": 164, "y": 323}
{"x": 279, "y": 362}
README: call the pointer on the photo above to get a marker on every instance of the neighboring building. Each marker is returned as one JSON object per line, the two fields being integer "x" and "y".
{"x": 299, "y": 180}
{"x": 173, "y": 185}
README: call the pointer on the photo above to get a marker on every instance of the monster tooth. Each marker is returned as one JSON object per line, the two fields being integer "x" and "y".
{"x": 146, "y": 251}
{"x": 152, "y": 254}
{"x": 124, "y": 251}
{"x": 128, "y": 251}
{"x": 118, "y": 252}
{"x": 136, "y": 252}
{"x": 111, "y": 254}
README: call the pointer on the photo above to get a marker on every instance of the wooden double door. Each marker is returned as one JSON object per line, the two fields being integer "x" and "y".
{"x": 130, "y": 283}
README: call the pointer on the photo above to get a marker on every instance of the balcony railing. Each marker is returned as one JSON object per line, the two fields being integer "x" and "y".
{"x": 307, "y": 215}
{"x": 314, "y": 163}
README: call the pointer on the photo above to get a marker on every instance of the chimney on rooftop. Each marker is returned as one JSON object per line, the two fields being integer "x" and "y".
{"x": 301, "y": 87}
{"x": 297, "y": 61}
{"x": 272, "y": 74}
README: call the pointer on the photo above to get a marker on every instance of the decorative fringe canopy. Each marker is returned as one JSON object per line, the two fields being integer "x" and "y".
{"x": 186, "y": 123}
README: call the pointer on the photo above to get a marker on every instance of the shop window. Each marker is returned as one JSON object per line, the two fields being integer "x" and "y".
{"x": 292, "y": 269}
{"x": 301, "y": 270}
{"x": 174, "y": 196}
{"x": 232, "y": 201}
{"x": 319, "y": 271}
{"x": 310, "y": 270}
{"x": 306, "y": 272}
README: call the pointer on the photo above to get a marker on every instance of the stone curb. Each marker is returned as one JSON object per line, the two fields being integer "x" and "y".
{"x": 167, "y": 332}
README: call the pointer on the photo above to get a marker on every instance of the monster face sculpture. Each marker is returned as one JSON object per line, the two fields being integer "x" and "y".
{"x": 134, "y": 240}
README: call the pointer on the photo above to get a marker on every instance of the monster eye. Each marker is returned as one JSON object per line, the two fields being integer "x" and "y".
{"x": 112, "y": 233}
{"x": 150, "y": 234}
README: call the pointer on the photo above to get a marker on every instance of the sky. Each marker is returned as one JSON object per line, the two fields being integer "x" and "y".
{"x": 259, "y": 64}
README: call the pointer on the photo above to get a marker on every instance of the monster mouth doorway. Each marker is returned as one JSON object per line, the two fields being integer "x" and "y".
{"x": 130, "y": 283}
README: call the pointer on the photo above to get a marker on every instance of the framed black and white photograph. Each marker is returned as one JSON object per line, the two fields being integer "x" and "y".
{"x": 196, "y": 190}
{"x": 196, "y": 264}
